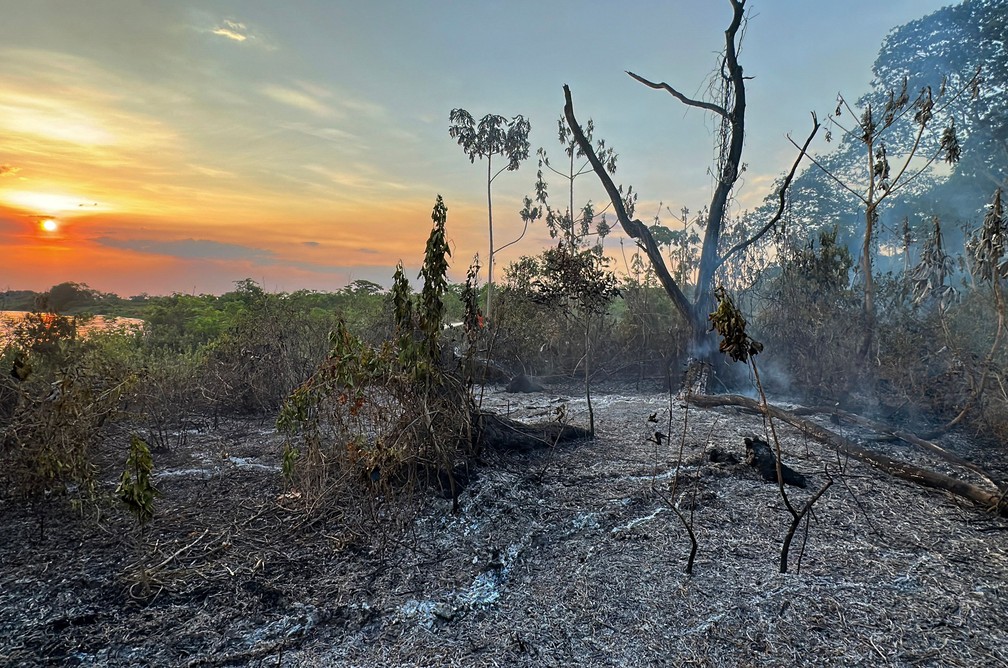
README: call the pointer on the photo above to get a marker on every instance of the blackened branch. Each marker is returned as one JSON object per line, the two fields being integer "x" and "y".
{"x": 690, "y": 102}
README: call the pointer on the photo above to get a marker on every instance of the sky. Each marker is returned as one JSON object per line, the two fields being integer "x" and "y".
{"x": 174, "y": 146}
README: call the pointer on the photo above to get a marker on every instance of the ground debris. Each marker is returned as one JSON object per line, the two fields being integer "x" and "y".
{"x": 558, "y": 556}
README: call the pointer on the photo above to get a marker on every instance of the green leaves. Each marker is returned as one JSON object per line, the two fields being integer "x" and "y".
{"x": 135, "y": 488}
{"x": 493, "y": 135}
{"x": 434, "y": 273}
{"x": 730, "y": 324}
{"x": 571, "y": 278}
{"x": 381, "y": 415}
{"x": 572, "y": 225}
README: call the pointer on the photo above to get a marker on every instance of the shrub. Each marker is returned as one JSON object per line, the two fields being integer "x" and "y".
{"x": 373, "y": 421}
{"x": 57, "y": 408}
{"x": 806, "y": 320}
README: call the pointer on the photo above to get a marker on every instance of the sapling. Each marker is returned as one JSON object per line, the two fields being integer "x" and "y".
{"x": 737, "y": 344}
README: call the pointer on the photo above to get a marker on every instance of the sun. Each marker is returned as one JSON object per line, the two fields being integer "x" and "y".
{"x": 50, "y": 225}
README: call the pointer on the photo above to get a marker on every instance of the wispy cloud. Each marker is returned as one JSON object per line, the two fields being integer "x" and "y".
{"x": 360, "y": 176}
{"x": 9, "y": 170}
{"x": 47, "y": 202}
{"x": 232, "y": 30}
{"x": 191, "y": 249}
{"x": 362, "y": 107}
{"x": 326, "y": 133}
{"x": 51, "y": 118}
{"x": 211, "y": 172}
{"x": 299, "y": 99}
{"x": 51, "y": 96}
{"x": 311, "y": 244}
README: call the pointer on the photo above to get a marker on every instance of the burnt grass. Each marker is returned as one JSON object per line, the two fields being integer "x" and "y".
{"x": 563, "y": 556}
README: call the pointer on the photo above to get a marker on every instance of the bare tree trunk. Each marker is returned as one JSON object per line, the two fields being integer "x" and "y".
{"x": 871, "y": 207}
{"x": 591, "y": 411}
{"x": 490, "y": 259}
{"x": 703, "y": 304}
{"x": 702, "y": 345}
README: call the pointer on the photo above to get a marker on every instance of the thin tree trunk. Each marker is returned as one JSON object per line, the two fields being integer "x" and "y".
{"x": 490, "y": 259}
{"x": 868, "y": 342}
{"x": 572, "y": 235}
{"x": 591, "y": 412}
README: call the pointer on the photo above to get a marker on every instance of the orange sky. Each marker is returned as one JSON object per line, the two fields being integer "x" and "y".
{"x": 184, "y": 146}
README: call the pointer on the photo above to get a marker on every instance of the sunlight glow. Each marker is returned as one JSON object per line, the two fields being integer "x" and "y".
{"x": 50, "y": 225}
{"x": 44, "y": 203}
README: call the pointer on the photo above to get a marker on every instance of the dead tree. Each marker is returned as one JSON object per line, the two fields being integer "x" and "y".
{"x": 731, "y": 111}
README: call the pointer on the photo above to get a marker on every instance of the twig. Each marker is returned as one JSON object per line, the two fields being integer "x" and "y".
{"x": 178, "y": 552}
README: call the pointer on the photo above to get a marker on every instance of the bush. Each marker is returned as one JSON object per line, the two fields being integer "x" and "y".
{"x": 805, "y": 321}
{"x": 375, "y": 421}
{"x": 272, "y": 345}
{"x": 57, "y": 407}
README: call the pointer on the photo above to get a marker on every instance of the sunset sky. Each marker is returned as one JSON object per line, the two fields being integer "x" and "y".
{"x": 180, "y": 146}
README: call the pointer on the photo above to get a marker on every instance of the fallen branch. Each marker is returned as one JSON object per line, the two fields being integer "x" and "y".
{"x": 906, "y": 437}
{"x": 990, "y": 501}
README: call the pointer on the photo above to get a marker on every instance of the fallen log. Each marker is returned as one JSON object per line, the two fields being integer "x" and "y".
{"x": 497, "y": 432}
{"x": 988, "y": 500}
{"x": 906, "y": 437}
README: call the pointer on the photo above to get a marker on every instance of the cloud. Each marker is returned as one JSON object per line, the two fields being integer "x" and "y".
{"x": 232, "y": 30}
{"x": 298, "y": 99}
{"x": 55, "y": 102}
{"x": 363, "y": 107}
{"x": 326, "y": 133}
{"x": 211, "y": 172}
{"x": 311, "y": 244}
{"x": 9, "y": 169}
{"x": 51, "y": 118}
{"x": 191, "y": 249}
{"x": 358, "y": 176}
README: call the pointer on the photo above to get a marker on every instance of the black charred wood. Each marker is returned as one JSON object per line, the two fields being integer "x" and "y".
{"x": 760, "y": 456}
{"x": 522, "y": 383}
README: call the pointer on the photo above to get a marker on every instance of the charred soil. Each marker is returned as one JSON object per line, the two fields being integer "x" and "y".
{"x": 561, "y": 556}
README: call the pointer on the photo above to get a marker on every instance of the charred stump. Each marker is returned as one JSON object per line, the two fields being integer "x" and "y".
{"x": 760, "y": 456}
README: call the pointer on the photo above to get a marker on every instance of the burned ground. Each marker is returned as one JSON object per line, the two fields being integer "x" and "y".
{"x": 569, "y": 556}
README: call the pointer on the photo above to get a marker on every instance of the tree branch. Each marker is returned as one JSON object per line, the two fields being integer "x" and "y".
{"x": 782, "y": 195}
{"x": 714, "y": 108}
{"x": 635, "y": 228}
{"x": 830, "y": 174}
{"x": 895, "y": 182}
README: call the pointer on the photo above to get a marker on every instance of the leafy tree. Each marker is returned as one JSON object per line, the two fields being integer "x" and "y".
{"x": 64, "y": 296}
{"x": 576, "y": 283}
{"x": 570, "y": 224}
{"x": 898, "y": 128}
{"x": 136, "y": 488}
{"x": 494, "y": 135}
{"x": 947, "y": 46}
{"x": 959, "y": 39}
